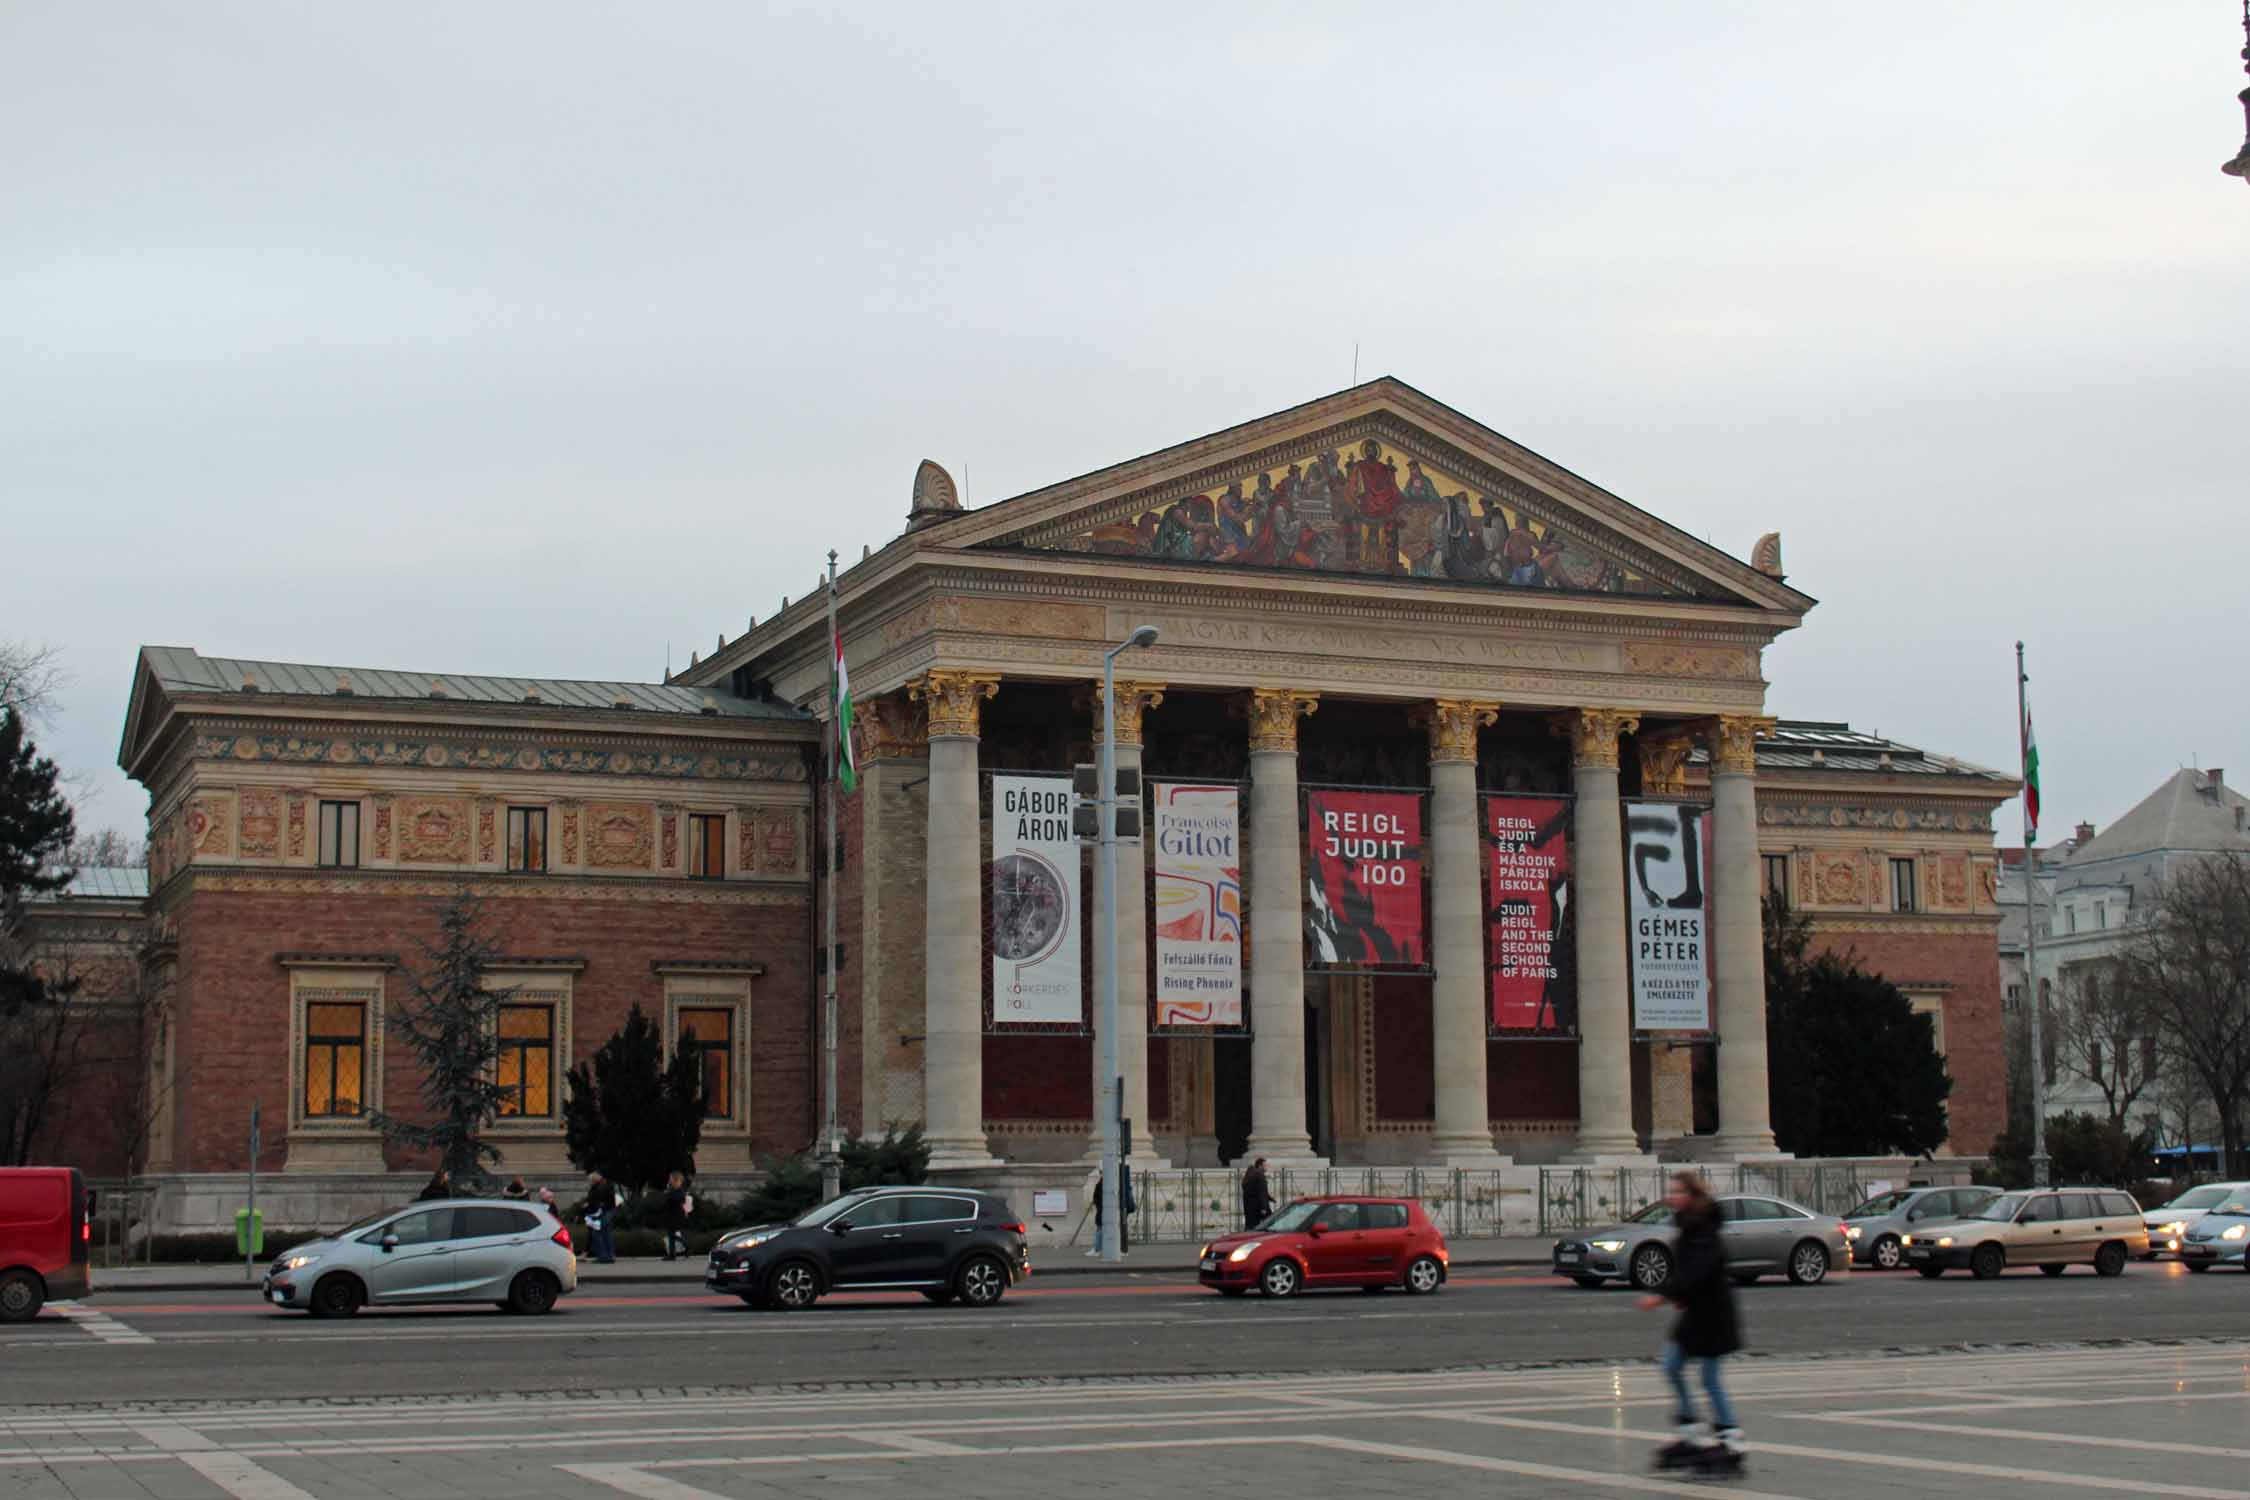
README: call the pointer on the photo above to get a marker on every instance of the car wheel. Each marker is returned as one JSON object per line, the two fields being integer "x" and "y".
{"x": 21, "y": 1297}
{"x": 1888, "y": 1254}
{"x": 982, "y": 1281}
{"x": 793, "y": 1286}
{"x": 2197, "y": 1266}
{"x": 1588, "y": 1283}
{"x": 1651, "y": 1268}
{"x": 1987, "y": 1261}
{"x": 940, "y": 1295}
{"x": 2110, "y": 1259}
{"x": 1808, "y": 1264}
{"x": 1279, "y": 1278}
{"x": 533, "y": 1292}
{"x": 1424, "y": 1275}
{"x": 1932, "y": 1272}
{"x": 337, "y": 1296}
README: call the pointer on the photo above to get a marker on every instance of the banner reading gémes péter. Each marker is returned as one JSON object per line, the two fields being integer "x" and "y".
{"x": 1530, "y": 925}
{"x": 1035, "y": 975}
{"x": 1667, "y": 904}
{"x": 1363, "y": 879}
{"x": 1198, "y": 978}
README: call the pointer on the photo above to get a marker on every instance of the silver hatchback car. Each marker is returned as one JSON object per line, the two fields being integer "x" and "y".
{"x": 516, "y": 1255}
{"x": 1878, "y": 1228}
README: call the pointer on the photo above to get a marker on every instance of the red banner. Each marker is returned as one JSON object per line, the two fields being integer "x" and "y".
{"x": 1363, "y": 880}
{"x": 1534, "y": 970}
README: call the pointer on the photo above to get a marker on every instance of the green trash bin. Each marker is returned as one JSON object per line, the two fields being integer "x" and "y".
{"x": 249, "y": 1231}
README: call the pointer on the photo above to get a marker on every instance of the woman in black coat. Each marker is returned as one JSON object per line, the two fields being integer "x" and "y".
{"x": 1257, "y": 1197}
{"x": 1706, "y": 1330}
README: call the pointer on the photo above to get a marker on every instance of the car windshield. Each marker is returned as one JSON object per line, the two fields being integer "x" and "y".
{"x": 2002, "y": 1208}
{"x": 1295, "y": 1216}
{"x": 369, "y": 1222}
{"x": 1880, "y": 1204}
{"x": 814, "y": 1218}
{"x": 2202, "y": 1197}
{"x": 1655, "y": 1213}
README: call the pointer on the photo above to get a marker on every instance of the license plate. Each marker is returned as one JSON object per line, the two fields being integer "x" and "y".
{"x": 1567, "y": 1257}
{"x": 1209, "y": 1263}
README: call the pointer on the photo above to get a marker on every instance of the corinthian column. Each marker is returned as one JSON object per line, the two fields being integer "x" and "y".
{"x": 953, "y": 988}
{"x": 1605, "y": 1018}
{"x": 1460, "y": 993}
{"x": 1133, "y": 699}
{"x": 1277, "y": 930}
{"x": 1737, "y": 941}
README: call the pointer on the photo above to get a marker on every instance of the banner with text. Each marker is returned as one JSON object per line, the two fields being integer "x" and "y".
{"x": 1198, "y": 878}
{"x": 1363, "y": 880}
{"x": 1035, "y": 973}
{"x": 1530, "y": 923}
{"x": 1668, "y": 908}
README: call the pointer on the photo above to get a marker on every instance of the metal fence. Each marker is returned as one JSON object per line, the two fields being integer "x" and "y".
{"x": 1579, "y": 1197}
{"x": 1180, "y": 1206}
{"x": 123, "y": 1221}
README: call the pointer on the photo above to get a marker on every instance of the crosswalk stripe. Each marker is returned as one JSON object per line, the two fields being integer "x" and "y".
{"x": 101, "y": 1325}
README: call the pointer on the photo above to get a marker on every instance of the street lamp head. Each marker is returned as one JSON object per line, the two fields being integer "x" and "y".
{"x": 1143, "y": 636}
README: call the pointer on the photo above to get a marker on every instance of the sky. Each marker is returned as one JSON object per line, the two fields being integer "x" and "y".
{"x": 558, "y": 339}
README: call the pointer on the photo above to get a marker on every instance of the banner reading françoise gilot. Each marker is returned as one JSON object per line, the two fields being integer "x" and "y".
{"x": 1198, "y": 978}
{"x": 1363, "y": 879}
{"x": 1034, "y": 903}
{"x": 1534, "y": 973}
{"x": 1669, "y": 910}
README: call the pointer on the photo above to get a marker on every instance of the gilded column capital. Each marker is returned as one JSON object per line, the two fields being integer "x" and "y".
{"x": 954, "y": 700}
{"x": 893, "y": 726}
{"x": 1593, "y": 734}
{"x": 1133, "y": 700}
{"x": 1664, "y": 759}
{"x": 1733, "y": 739}
{"x": 1453, "y": 724}
{"x": 1274, "y": 713}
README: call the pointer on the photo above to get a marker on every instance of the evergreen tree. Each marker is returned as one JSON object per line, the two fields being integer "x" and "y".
{"x": 629, "y": 1115}
{"x": 450, "y": 1021}
{"x": 40, "y": 1031}
{"x": 35, "y": 822}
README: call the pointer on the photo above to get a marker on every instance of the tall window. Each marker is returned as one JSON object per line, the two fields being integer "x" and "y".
{"x": 1777, "y": 876}
{"x": 527, "y": 840}
{"x": 707, "y": 846}
{"x": 707, "y": 1036}
{"x": 335, "y": 1058}
{"x": 526, "y": 1069}
{"x": 1902, "y": 885}
{"x": 339, "y": 834}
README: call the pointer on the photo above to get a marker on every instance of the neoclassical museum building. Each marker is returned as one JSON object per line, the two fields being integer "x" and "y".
{"x": 1460, "y": 797}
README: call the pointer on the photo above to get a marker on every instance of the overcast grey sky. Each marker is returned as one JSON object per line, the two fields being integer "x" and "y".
{"x": 525, "y": 338}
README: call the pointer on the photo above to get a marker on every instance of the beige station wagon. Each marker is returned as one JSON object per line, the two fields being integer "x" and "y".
{"x": 2051, "y": 1228}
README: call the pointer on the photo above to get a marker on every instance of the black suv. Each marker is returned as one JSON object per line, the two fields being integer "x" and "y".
{"x": 945, "y": 1243}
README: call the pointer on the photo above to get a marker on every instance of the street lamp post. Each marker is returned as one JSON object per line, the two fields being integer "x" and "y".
{"x": 1111, "y": 1103}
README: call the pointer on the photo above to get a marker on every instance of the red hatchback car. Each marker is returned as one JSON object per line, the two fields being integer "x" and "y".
{"x": 1370, "y": 1243}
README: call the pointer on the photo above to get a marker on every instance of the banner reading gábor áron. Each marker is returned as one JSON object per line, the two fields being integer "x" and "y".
{"x": 1363, "y": 880}
{"x": 1198, "y": 978}
{"x": 1035, "y": 974}
{"x": 1668, "y": 908}
{"x": 1534, "y": 970}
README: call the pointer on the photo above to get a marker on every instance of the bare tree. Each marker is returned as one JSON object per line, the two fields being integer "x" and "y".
{"x": 108, "y": 847}
{"x": 2105, "y": 1033}
{"x": 43, "y": 1035}
{"x": 2188, "y": 962}
{"x": 31, "y": 678}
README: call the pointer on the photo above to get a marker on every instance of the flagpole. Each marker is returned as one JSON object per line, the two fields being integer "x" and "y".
{"x": 831, "y": 1164}
{"x": 2039, "y": 1163}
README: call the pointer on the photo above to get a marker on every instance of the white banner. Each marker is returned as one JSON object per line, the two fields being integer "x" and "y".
{"x": 1669, "y": 908}
{"x": 1035, "y": 973}
{"x": 1198, "y": 978}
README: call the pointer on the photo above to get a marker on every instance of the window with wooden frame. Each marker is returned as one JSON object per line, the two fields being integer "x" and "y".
{"x": 335, "y": 1059}
{"x": 339, "y": 835}
{"x": 527, "y": 840}
{"x": 707, "y": 846}
{"x": 1902, "y": 885}
{"x": 707, "y": 1037}
{"x": 525, "y": 1070}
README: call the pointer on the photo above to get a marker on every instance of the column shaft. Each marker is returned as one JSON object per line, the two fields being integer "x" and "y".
{"x": 1277, "y": 961}
{"x": 1462, "y": 1132}
{"x": 1738, "y": 953}
{"x": 953, "y": 1047}
{"x": 1605, "y": 1017}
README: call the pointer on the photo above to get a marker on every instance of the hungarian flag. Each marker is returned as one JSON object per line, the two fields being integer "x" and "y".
{"x": 846, "y": 768}
{"x": 2030, "y": 781}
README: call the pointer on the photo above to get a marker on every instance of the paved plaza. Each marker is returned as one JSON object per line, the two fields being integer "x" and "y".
{"x": 2147, "y": 1419}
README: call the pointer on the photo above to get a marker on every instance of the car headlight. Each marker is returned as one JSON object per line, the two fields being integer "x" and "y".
{"x": 1906, "y": 1239}
{"x": 296, "y": 1262}
{"x": 2235, "y": 1232}
{"x": 1851, "y": 1231}
{"x": 747, "y": 1242}
{"x": 1945, "y": 1242}
{"x": 1204, "y": 1253}
{"x": 1242, "y": 1252}
{"x": 1608, "y": 1247}
{"x": 2175, "y": 1227}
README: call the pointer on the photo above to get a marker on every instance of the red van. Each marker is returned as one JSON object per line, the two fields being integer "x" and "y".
{"x": 46, "y": 1224}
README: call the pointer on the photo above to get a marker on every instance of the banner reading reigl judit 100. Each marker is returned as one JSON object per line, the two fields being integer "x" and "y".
{"x": 1198, "y": 978}
{"x": 1668, "y": 907}
{"x": 1363, "y": 880}
{"x": 1534, "y": 970}
{"x": 1035, "y": 976}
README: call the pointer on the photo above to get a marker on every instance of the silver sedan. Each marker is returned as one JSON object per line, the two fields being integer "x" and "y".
{"x": 1763, "y": 1236}
{"x": 1878, "y": 1227}
{"x": 516, "y": 1255}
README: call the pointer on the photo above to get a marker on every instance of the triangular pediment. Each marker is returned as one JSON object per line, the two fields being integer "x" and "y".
{"x": 1379, "y": 480}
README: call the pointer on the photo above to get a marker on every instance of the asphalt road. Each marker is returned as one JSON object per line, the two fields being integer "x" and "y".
{"x": 226, "y": 1345}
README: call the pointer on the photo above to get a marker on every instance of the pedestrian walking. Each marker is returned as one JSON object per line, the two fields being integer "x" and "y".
{"x": 678, "y": 1204}
{"x": 1706, "y": 1332}
{"x": 1124, "y": 1191}
{"x": 515, "y": 1189}
{"x": 1257, "y": 1197}
{"x": 600, "y": 1212}
{"x": 440, "y": 1185}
